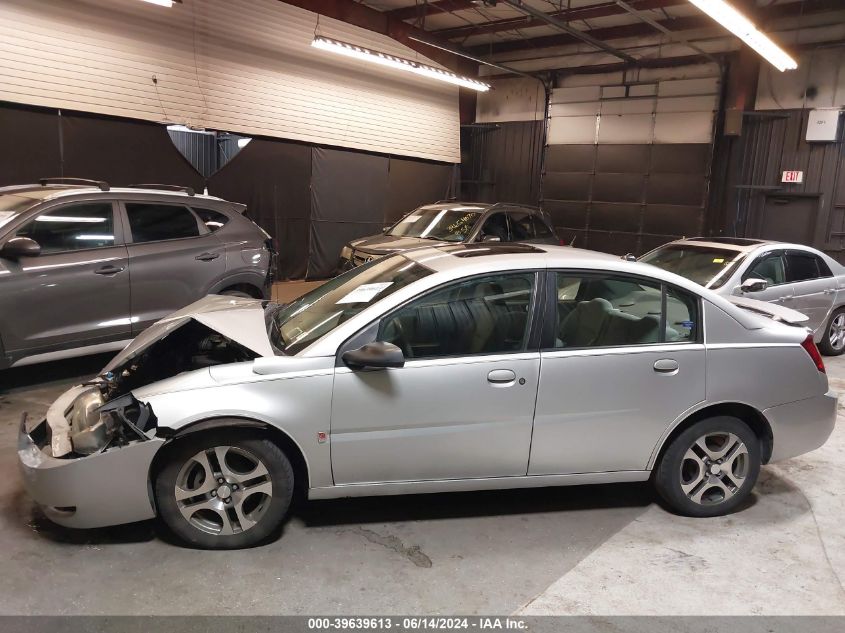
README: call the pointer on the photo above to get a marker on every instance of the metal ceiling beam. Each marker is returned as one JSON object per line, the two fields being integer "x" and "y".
{"x": 672, "y": 34}
{"x": 589, "y": 12}
{"x": 701, "y": 21}
{"x": 563, "y": 26}
{"x": 430, "y": 8}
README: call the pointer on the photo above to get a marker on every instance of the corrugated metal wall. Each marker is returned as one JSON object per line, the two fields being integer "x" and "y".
{"x": 771, "y": 143}
{"x": 244, "y": 66}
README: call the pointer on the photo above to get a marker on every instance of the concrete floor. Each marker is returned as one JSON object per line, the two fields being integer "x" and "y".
{"x": 585, "y": 550}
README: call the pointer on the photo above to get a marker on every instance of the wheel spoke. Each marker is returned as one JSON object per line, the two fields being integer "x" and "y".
{"x": 245, "y": 521}
{"x": 715, "y": 454}
{"x": 207, "y": 485}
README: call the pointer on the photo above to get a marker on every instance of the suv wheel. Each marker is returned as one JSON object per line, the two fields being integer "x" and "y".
{"x": 833, "y": 341}
{"x": 224, "y": 489}
{"x": 710, "y": 468}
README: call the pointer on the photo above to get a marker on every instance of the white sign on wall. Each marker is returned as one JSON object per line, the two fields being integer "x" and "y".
{"x": 793, "y": 176}
{"x": 823, "y": 125}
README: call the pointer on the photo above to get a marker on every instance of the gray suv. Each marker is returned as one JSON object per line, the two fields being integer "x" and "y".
{"x": 452, "y": 222}
{"x": 84, "y": 267}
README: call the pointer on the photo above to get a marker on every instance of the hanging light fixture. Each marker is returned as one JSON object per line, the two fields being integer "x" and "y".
{"x": 398, "y": 63}
{"x": 743, "y": 28}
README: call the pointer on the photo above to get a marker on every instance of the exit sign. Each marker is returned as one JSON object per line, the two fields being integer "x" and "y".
{"x": 793, "y": 176}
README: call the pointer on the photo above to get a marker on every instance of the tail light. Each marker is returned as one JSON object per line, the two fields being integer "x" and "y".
{"x": 810, "y": 347}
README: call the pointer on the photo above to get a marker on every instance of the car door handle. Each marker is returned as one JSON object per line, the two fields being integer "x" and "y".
{"x": 666, "y": 366}
{"x": 499, "y": 376}
{"x": 207, "y": 257}
{"x": 829, "y": 291}
{"x": 785, "y": 298}
{"x": 109, "y": 270}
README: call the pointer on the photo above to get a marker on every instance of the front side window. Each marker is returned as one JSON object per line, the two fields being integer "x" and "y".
{"x": 153, "y": 222}
{"x": 496, "y": 226}
{"x": 482, "y": 315}
{"x": 448, "y": 225}
{"x": 295, "y": 326}
{"x": 802, "y": 267}
{"x": 72, "y": 228}
{"x": 707, "y": 266}
{"x": 522, "y": 226}
{"x": 541, "y": 229}
{"x": 769, "y": 268}
{"x": 597, "y": 310}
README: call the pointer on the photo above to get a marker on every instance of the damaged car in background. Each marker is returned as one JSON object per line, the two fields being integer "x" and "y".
{"x": 449, "y": 368}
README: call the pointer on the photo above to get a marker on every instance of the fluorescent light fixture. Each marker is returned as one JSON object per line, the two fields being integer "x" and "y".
{"x": 398, "y": 63}
{"x": 742, "y": 27}
{"x": 161, "y": 3}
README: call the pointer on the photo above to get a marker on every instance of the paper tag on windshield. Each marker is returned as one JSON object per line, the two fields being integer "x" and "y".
{"x": 365, "y": 292}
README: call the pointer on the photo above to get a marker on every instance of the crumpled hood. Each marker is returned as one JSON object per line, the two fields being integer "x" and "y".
{"x": 238, "y": 319}
{"x": 380, "y": 244}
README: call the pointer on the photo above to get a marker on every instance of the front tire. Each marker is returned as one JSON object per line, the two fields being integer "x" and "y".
{"x": 710, "y": 468}
{"x": 833, "y": 341}
{"x": 224, "y": 489}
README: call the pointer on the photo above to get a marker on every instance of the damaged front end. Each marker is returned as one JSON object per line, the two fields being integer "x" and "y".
{"x": 87, "y": 463}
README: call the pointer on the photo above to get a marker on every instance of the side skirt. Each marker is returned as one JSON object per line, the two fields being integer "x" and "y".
{"x": 462, "y": 485}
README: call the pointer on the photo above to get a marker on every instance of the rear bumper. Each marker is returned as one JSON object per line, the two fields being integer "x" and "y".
{"x": 802, "y": 426}
{"x": 103, "y": 489}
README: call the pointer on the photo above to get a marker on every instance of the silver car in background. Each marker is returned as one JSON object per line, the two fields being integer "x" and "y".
{"x": 84, "y": 268}
{"x": 791, "y": 275}
{"x": 465, "y": 367}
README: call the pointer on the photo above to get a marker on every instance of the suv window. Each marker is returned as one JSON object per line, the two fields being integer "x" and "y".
{"x": 804, "y": 266}
{"x": 769, "y": 267}
{"x": 213, "y": 220}
{"x": 496, "y": 226}
{"x": 522, "y": 226}
{"x": 541, "y": 229}
{"x": 484, "y": 315}
{"x": 611, "y": 311}
{"x": 151, "y": 222}
{"x": 72, "y": 227}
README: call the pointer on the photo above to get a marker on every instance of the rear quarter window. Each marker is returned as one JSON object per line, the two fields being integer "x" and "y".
{"x": 213, "y": 220}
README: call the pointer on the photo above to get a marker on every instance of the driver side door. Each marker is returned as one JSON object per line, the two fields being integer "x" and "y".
{"x": 462, "y": 406}
{"x": 771, "y": 268}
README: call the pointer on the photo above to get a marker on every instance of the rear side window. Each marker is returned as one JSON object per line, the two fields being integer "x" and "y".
{"x": 803, "y": 266}
{"x": 152, "y": 222}
{"x": 72, "y": 228}
{"x": 613, "y": 311}
{"x": 213, "y": 220}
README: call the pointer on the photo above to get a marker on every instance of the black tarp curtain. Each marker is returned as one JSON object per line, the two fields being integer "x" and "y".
{"x": 311, "y": 199}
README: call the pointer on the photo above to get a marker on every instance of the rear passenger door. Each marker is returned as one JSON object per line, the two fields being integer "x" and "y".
{"x": 617, "y": 369}
{"x": 814, "y": 287}
{"x": 175, "y": 259}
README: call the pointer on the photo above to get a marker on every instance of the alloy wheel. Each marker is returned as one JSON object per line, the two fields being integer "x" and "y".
{"x": 714, "y": 468}
{"x": 836, "y": 333}
{"x": 223, "y": 490}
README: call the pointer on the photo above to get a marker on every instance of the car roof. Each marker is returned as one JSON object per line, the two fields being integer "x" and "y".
{"x": 481, "y": 207}
{"x": 48, "y": 192}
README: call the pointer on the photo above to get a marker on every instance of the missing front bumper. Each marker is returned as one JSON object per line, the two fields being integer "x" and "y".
{"x": 97, "y": 490}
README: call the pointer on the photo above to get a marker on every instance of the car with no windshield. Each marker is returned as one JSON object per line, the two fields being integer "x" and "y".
{"x": 85, "y": 267}
{"x": 791, "y": 275}
{"x": 452, "y": 222}
{"x": 453, "y": 368}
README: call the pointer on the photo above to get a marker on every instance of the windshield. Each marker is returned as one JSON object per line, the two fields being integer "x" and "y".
{"x": 295, "y": 326}
{"x": 11, "y": 205}
{"x": 449, "y": 225}
{"x": 705, "y": 265}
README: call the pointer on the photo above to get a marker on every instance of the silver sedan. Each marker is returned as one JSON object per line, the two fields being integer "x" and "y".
{"x": 441, "y": 369}
{"x": 792, "y": 275}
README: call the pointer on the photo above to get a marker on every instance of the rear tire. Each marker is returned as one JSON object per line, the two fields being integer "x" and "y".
{"x": 225, "y": 489}
{"x": 710, "y": 468}
{"x": 833, "y": 340}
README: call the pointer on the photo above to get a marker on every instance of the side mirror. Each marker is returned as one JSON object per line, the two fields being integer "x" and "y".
{"x": 385, "y": 230}
{"x": 491, "y": 238}
{"x": 20, "y": 247}
{"x": 754, "y": 284}
{"x": 375, "y": 355}
{"x": 629, "y": 257}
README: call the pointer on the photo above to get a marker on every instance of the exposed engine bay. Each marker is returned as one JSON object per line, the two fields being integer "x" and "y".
{"x": 107, "y": 415}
